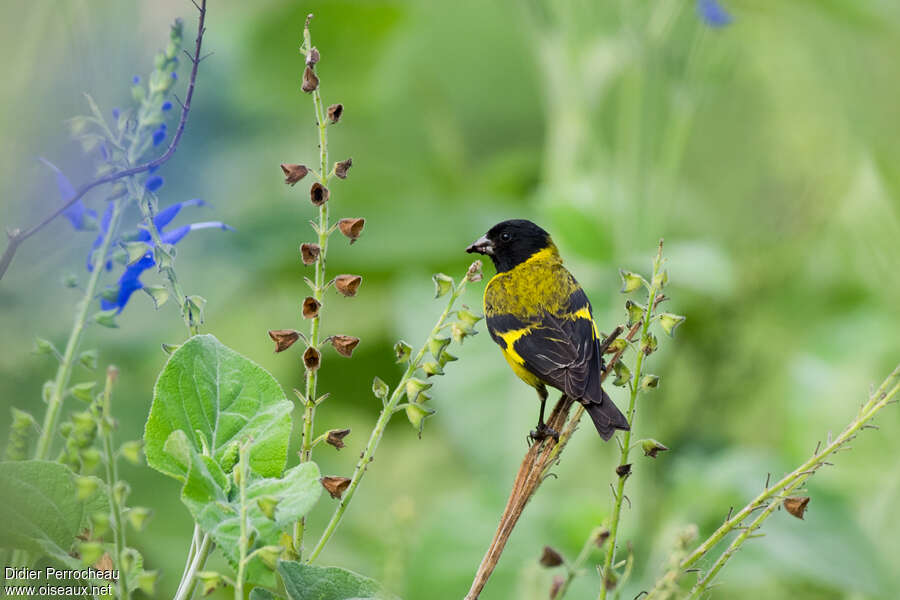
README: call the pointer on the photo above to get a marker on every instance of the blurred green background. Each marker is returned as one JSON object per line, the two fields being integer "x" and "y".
{"x": 766, "y": 153}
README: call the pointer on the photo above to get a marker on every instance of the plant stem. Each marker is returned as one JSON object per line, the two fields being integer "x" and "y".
{"x": 112, "y": 478}
{"x": 378, "y": 431}
{"x": 323, "y": 231}
{"x": 878, "y": 400}
{"x": 168, "y": 269}
{"x": 64, "y": 372}
{"x": 609, "y": 561}
{"x": 244, "y": 540}
{"x": 573, "y": 570}
{"x": 186, "y": 587}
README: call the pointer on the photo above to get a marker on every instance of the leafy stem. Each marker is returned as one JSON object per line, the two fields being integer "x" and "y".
{"x": 770, "y": 498}
{"x": 244, "y": 541}
{"x": 324, "y": 231}
{"x": 623, "y": 471}
{"x": 64, "y": 371}
{"x": 112, "y": 478}
{"x": 383, "y": 419}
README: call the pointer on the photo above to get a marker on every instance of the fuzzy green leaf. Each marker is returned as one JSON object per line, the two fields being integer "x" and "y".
{"x": 40, "y": 511}
{"x": 209, "y": 392}
{"x": 306, "y": 582}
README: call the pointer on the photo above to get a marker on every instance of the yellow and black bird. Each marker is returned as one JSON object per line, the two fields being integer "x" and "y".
{"x": 541, "y": 318}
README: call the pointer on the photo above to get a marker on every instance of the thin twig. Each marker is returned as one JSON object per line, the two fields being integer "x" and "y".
{"x": 17, "y": 236}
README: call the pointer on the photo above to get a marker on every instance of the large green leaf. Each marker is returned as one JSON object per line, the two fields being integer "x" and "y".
{"x": 214, "y": 502}
{"x": 217, "y": 398}
{"x": 306, "y": 582}
{"x": 40, "y": 511}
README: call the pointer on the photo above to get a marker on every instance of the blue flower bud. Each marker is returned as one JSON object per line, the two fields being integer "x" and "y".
{"x": 154, "y": 183}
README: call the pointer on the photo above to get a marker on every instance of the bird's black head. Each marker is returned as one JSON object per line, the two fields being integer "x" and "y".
{"x": 511, "y": 242}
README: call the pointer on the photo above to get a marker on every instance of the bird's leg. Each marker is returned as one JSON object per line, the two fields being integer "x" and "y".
{"x": 542, "y": 431}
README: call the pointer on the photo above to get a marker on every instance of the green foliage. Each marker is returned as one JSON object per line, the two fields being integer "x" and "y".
{"x": 306, "y": 582}
{"x": 210, "y": 495}
{"x": 216, "y": 398}
{"x": 40, "y": 511}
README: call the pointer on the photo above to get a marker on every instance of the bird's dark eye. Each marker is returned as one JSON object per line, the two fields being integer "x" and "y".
{"x": 505, "y": 236}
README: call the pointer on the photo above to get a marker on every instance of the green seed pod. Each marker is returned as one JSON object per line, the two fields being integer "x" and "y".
{"x": 437, "y": 345}
{"x": 442, "y": 284}
{"x": 414, "y": 387}
{"x": 138, "y": 516}
{"x": 85, "y": 487}
{"x": 90, "y": 552}
{"x": 630, "y": 281}
{"x": 402, "y": 351}
{"x": 669, "y": 322}
{"x": 635, "y": 312}
{"x": 380, "y": 388}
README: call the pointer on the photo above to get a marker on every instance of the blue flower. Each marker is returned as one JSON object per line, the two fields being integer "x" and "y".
{"x": 154, "y": 183}
{"x": 130, "y": 281}
{"x": 166, "y": 106}
{"x": 115, "y": 114}
{"x": 713, "y": 14}
{"x": 159, "y": 135}
{"x": 174, "y": 75}
{"x": 136, "y": 79}
{"x": 78, "y": 214}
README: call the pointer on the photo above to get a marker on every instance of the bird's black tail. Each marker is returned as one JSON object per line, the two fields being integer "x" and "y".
{"x": 606, "y": 416}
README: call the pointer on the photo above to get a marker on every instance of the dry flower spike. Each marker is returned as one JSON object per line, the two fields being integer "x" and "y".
{"x": 550, "y": 557}
{"x": 334, "y": 112}
{"x": 283, "y": 338}
{"x": 311, "y": 308}
{"x": 293, "y": 173}
{"x": 309, "y": 253}
{"x": 336, "y": 437}
{"x": 312, "y": 358}
{"x": 796, "y": 505}
{"x": 310, "y": 81}
{"x": 352, "y": 228}
{"x": 347, "y": 285}
{"x": 344, "y": 344}
{"x": 342, "y": 168}
{"x": 336, "y": 486}
{"x": 318, "y": 194}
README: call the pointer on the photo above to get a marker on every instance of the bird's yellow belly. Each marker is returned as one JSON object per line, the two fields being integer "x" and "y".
{"x": 519, "y": 369}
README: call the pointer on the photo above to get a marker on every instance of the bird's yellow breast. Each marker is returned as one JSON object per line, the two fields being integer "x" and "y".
{"x": 538, "y": 285}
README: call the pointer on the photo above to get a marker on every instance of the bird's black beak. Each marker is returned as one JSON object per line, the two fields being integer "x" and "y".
{"x": 482, "y": 246}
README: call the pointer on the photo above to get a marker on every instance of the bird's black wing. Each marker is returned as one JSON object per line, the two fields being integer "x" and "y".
{"x": 563, "y": 350}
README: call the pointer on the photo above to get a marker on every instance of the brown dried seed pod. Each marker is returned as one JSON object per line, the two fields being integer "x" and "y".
{"x": 623, "y": 470}
{"x": 283, "y": 338}
{"x": 334, "y": 112}
{"x": 347, "y": 284}
{"x": 293, "y": 173}
{"x": 344, "y": 344}
{"x": 310, "y": 81}
{"x": 318, "y": 194}
{"x": 336, "y": 437}
{"x": 309, "y": 253}
{"x": 341, "y": 168}
{"x": 602, "y": 536}
{"x": 311, "y": 307}
{"x": 551, "y": 558}
{"x": 336, "y": 486}
{"x": 796, "y": 505}
{"x": 312, "y": 358}
{"x": 313, "y": 56}
{"x": 474, "y": 272}
{"x": 352, "y": 228}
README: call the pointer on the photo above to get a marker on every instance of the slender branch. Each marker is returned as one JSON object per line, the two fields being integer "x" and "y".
{"x": 609, "y": 580}
{"x": 387, "y": 412}
{"x": 883, "y": 396}
{"x": 17, "y": 236}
